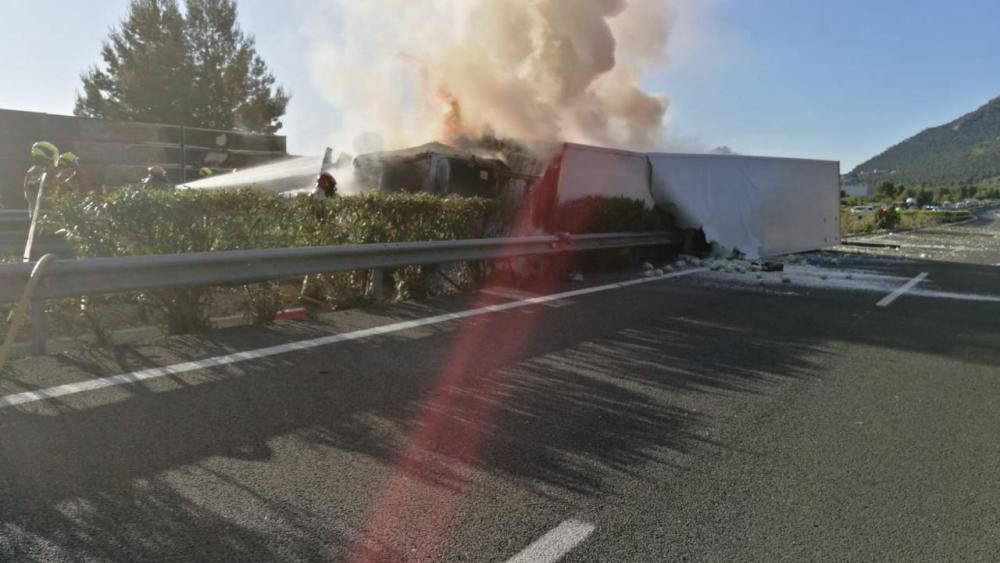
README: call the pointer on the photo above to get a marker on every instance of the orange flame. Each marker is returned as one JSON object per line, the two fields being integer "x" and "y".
{"x": 451, "y": 124}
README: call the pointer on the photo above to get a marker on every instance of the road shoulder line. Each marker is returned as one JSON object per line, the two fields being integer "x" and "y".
{"x": 238, "y": 357}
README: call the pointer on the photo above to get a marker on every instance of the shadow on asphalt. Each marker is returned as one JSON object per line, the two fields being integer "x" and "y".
{"x": 528, "y": 394}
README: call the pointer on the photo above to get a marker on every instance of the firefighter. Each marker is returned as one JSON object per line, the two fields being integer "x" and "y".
{"x": 326, "y": 186}
{"x": 44, "y": 159}
{"x": 156, "y": 178}
{"x": 67, "y": 170}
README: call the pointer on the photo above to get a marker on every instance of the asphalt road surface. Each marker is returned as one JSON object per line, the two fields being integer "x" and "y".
{"x": 846, "y": 412}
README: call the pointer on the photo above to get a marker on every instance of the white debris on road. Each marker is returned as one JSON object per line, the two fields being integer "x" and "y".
{"x": 850, "y": 268}
{"x": 806, "y": 277}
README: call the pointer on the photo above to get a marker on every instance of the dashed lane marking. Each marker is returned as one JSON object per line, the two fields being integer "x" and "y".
{"x": 554, "y": 545}
{"x": 888, "y": 299}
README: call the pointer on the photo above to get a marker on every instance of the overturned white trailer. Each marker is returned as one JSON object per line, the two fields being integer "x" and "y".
{"x": 761, "y": 206}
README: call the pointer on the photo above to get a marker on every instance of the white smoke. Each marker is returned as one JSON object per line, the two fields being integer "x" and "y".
{"x": 535, "y": 70}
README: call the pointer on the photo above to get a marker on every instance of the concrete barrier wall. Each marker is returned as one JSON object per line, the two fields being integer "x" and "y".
{"x": 114, "y": 152}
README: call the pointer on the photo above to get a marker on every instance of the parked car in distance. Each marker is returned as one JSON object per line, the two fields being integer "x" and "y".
{"x": 859, "y": 210}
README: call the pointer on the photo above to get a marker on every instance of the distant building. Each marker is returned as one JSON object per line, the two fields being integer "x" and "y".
{"x": 856, "y": 190}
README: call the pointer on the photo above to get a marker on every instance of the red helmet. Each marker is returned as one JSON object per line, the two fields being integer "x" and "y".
{"x": 326, "y": 180}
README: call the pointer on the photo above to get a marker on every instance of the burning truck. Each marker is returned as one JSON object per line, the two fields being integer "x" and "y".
{"x": 760, "y": 206}
{"x": 434, "y": 168}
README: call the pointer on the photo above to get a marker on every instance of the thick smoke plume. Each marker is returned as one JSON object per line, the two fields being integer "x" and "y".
{"x": 534, "y": 70}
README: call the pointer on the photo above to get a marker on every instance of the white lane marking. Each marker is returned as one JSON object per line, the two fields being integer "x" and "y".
{"x": 554, "y": 545}
{"x": 153, "y": 373}
{"x": 811, "y": 277}
{"x": 979, "y": 297}
{"x": 508, "y": 293}
{"x": 888, "y": 299}
{"x": 515, "y": 294}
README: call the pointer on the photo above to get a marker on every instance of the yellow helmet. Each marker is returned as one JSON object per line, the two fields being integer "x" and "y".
{"x": 69, "y": 160}
{"x": 45, "y": 153}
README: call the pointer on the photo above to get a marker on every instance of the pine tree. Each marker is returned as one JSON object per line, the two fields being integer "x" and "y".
{"x": 925, "y": 197}
{"x": 199, "y": 70}
{"x": 145, "y": 68}
{"x": 231, "y": 83}
{"x": 885, "y": 191}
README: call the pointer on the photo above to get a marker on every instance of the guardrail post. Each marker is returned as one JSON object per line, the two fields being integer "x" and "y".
{"x": 378, "y": 285}
{"x": 39, "y": 327}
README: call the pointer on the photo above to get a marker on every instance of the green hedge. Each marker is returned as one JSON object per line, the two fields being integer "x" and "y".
{"x": 595, "y": 214}
{"x": 908, "y": 219}
{"x": 134, "y": 221}
{"x": 941, "y": 215}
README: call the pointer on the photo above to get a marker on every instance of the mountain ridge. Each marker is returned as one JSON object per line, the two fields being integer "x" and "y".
{"x": 964, "y": 151}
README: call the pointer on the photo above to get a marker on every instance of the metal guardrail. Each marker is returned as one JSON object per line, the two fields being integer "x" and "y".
{"x": 14, "y": 220}
{"x": 47, "y": 245}
{"x": 68, "y": 278}
{"x": 94, "y": 276}
{"x": 14, "y": 226}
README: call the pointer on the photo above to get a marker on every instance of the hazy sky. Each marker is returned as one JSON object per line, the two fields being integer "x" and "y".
{"x": 837, "y": 80}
